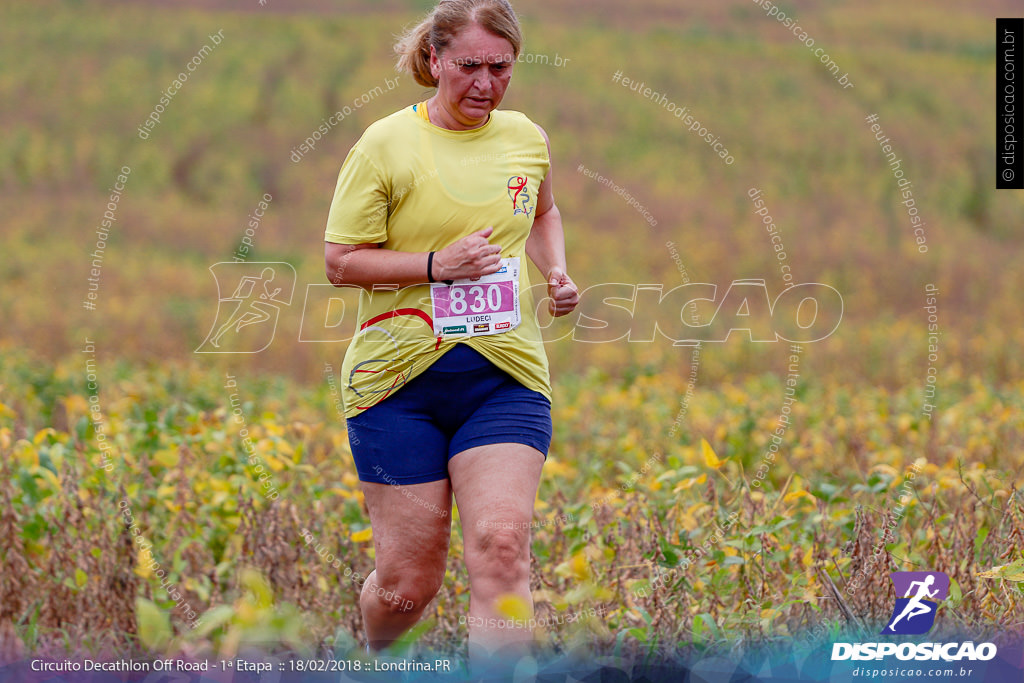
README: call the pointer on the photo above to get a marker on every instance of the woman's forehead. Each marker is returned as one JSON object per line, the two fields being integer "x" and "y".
{"x": 474, "y": 43}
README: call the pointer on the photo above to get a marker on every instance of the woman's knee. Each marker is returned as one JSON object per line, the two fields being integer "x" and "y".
{"x": 500, "y": 551}
{"x": 405, "y": 592}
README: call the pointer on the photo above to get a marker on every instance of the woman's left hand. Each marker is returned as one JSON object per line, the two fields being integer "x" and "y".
{"x": 562, "y": 293}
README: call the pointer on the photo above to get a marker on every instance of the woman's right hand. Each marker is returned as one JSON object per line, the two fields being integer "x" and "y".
{"x": 471, "y": 256}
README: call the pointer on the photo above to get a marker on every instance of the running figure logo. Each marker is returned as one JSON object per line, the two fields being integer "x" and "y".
{"x": 253, "y": 306}
{"x": 519, "y": 195}
{"x": 914, "y": 612}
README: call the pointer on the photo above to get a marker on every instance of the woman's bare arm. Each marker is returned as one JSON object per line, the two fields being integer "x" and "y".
{"x": 366, "y": 265}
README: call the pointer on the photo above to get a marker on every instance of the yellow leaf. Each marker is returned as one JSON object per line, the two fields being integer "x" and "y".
{"x": 42, "y": 434}
{"x": 167, "y": 457}
{"x": 1011, "y": 572}
{"x": 513, "y": 607}
{"x": 26, "y": 454}
{"x": 697, "y": 508}
{"x": 688, "y": 522}
{"x": 687, "y": 483}
{"x": 580, "y": 568}
{"x": 154, "y": 626}
{"x": 141, "y": 565}
{"x": 362, "y": 536}
{"x": 557, "y": 468}
{"x": 795, "y": 495}
{"x": 259, "y": 592}
{"x": 710, "y": 459}
{"x": 74, "y": 404}
{"x": 886, "y": 469}
{"x": 49, "y": 476}
{"x": 274, "y": 463}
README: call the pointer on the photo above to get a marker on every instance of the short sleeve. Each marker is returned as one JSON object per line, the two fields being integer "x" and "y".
{"x": 359, "y": 210}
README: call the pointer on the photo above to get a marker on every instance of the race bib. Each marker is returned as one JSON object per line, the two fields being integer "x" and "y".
{"x": 473, "y": 307}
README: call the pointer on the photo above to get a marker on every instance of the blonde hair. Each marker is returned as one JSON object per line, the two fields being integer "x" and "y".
{"x": 445, "y": 22}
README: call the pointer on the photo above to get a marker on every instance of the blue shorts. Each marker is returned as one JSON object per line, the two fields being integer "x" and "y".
{"x": 459, "y": 402}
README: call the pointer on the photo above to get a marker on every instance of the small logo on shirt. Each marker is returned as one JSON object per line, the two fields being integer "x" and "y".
{"x": 454, "y": 329}
{"x": 502, "y": 326}
{"x": 482, "y": 327}
{"x": 520, "y": 195}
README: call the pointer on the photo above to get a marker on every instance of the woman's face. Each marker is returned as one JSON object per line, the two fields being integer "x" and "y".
{"x": 473, "y": 73}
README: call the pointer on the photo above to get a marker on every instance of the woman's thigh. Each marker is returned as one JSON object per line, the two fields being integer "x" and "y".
{"x": 411, "y": 529}
{"x": 495, "y": 487}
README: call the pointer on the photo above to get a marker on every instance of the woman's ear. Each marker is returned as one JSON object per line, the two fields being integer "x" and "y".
{"x": 435, "y": 64}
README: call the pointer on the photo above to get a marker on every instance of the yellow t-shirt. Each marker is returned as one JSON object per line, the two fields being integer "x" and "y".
{"x": 413, "y": 186}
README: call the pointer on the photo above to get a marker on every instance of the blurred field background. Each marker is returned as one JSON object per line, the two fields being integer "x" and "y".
{"x": 81, "y": 77}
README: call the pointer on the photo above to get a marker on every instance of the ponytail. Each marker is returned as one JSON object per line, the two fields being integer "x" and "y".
{"x": 413, "y": 50}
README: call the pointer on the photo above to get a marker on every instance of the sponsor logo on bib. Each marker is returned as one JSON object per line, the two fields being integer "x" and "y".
{"x": 478, "y": 306}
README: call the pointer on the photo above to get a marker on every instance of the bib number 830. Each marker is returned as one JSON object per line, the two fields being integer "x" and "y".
{"x": 475, "y": 299}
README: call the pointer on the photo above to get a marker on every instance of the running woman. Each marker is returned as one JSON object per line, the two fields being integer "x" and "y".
{"x": 446, "y": 384}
